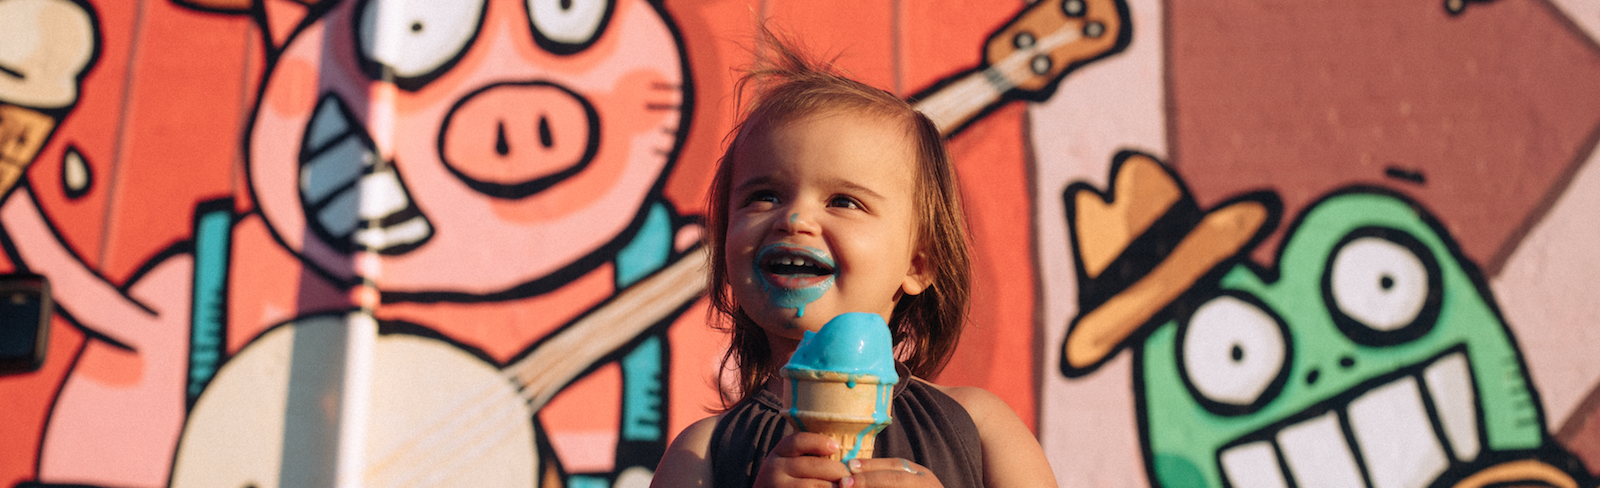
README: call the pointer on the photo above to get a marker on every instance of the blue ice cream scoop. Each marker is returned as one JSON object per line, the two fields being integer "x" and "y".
{"x": 841, "y": 382}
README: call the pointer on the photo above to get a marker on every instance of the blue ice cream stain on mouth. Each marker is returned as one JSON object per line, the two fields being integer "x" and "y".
{"x": 790, "y": 296}
{"x": 856, "y": 344}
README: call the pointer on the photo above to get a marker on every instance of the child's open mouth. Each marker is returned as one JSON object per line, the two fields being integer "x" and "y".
{"x": 794, "y": 267}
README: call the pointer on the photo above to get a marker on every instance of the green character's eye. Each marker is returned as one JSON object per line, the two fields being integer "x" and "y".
{"x": 1383, "y": 287}
{"x": 1234, "y": 354}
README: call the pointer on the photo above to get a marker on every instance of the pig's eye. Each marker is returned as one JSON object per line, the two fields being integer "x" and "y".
{"x": 568, "y": 26}
{"x": 1383, "y": 287}
{"x": 1234, "y": 354}
{"x": 415, "y": 41}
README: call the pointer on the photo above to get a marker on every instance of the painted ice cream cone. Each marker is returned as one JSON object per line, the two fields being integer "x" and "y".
{"x": 49, "y": 44}
{"x": 22, "y": 133}
{"x": 840, "y": 382}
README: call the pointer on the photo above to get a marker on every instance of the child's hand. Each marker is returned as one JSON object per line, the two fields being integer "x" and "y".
{"x": 874, "y": 473}
{"x": 799, "y": 460}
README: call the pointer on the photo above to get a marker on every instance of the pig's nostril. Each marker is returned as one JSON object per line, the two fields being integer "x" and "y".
{"x": 545, "y": 138}
{"x": 501, "y": 147}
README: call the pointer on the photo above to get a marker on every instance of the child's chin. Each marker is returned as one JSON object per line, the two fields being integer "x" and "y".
{"x": 788, "y": 322}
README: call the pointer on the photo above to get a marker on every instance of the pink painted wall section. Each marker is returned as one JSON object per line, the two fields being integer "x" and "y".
{"x": 1217, "y": 243}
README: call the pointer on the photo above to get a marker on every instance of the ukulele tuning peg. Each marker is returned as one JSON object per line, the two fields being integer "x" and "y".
{"x": 1073, "y": 8}
{"x": 1040, "y": 64}
{"x": 1023, "y": 40}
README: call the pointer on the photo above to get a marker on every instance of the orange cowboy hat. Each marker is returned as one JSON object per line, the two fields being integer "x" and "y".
{"x": 1141, "y": 247}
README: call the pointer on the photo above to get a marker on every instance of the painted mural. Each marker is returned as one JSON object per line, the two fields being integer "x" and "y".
{"x": 407, "y": 243}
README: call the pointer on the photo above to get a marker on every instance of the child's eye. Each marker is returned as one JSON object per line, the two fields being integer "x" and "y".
{"x": 844, "y": 202}
{"x": 761, "y": 197}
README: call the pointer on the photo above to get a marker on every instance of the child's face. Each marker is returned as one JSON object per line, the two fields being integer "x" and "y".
{"x": 822, "y": 220}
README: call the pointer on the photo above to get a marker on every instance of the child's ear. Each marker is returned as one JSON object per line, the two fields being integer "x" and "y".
{"x": 920, "y": 276}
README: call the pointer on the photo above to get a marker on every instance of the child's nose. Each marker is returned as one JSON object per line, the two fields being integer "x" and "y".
{"x": 797, "y": 222}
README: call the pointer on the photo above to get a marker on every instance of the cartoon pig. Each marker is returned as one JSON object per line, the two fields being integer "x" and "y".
{"x": 481, "y": 174}
{"x": 497, "y": 145}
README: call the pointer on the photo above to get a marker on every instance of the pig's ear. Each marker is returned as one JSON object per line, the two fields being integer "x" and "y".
{"x": 281, "y": 18}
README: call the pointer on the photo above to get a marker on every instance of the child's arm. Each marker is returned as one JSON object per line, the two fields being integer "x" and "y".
{"x": 1011, "y": 454}
{"x": 686, "y": 462}
{"x": 794, "y": 462}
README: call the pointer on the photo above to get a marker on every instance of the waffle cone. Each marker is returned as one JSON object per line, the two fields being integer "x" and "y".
{"x": 22, "y": 133}
{"x": 851, "y": 408}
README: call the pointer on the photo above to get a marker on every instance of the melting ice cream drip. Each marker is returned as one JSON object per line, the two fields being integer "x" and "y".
{"x": 852, "y": 350}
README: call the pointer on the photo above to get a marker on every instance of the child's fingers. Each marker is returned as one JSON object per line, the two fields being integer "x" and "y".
{"x": 800, "y": 460}
{"x": 806, "y": 444}
{"x": 888, "y": 472}
{"x": 886, "y": 464}
{"x": 801, "y": 471}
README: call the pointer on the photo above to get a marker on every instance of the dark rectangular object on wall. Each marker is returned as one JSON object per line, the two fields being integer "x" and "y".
{"x": 24, "y": 322}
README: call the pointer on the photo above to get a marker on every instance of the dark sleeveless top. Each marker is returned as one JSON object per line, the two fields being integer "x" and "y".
{"x": 928, "y": 428}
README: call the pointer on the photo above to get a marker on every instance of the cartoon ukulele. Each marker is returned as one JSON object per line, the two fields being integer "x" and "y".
{"x": 1027, "y": 59}
{"x": 437, "y": 416}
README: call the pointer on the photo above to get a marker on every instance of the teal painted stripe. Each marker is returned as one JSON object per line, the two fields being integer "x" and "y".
{"x": 649, "y": 249}
{"x": 582, "y": 481}
{"x": 212, "y": 237}
{"x": 642, "y": 391}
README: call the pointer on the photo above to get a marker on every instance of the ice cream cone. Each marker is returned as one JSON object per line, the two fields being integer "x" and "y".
{"x": 851, "y": 408}
{"x": 22, "y": 133}
{"x": 840, "y": 380}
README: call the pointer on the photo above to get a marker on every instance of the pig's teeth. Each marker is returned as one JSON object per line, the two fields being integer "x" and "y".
{"x": 347, "y": 193}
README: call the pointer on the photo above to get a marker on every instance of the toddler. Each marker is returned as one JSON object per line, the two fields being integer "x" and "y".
{"x": 837, "y": 197}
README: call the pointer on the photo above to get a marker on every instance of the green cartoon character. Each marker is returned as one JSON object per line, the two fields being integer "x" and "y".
{"x": 1372, "y": 356}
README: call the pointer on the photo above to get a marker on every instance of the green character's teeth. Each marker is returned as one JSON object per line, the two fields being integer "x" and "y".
{"x": 1390, "y": 426}
{"x": 1318, "y": 446}
{"x": 1450, "y": 384}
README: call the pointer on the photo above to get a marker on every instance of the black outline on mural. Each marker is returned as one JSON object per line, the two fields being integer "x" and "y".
{"x": 1426, "y": 317}
{"x": 1273, "y": 387}
{"x": 565, "y": 49}
{"x": 378, "y": 71}
{"x": 1124, "y": 38}
{"x": 1271, "y": 274}
{"x": 88, "y": 173}
{"x": 59, "y": 114}
{"x": 554, "y": 280}
{"x": 606, "y": 252}
{"x": 523, "y": 189}
{"x": 1184, "y": 212}
{"x": 1550, "y": 450}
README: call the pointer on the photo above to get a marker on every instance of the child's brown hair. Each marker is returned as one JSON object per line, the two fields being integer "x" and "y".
{"x": 925, "y": 327}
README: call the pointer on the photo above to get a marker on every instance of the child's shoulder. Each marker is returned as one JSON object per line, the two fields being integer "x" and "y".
{"x": 686, "y": 462}
{"x": 978, "y": 402}
{"x": 1000, "y": 430}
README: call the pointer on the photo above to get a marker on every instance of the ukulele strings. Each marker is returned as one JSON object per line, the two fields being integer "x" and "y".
{"x": 445, "y": 443}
